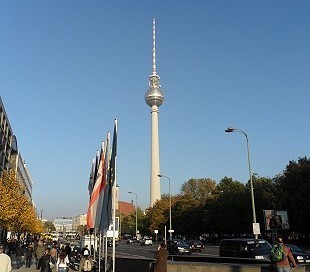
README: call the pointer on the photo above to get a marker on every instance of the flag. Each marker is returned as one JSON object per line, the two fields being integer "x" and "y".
{"x": 98, "y": 155}
{"x": 106, "y": 215}
{"x": 92, "y": 206}
{"x": 102, "y": 180}
{"x": 91, "y": 178}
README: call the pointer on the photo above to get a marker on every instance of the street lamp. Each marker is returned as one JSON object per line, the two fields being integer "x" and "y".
{"x": 136, "y": 213}
{"x": 170, "y": 223}
{"x": 228, "y": 130}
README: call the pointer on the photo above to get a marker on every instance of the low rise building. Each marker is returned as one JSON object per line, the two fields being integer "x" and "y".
{"x": 79, "y": 220}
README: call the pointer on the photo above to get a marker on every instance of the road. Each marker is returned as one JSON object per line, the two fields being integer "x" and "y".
{"x": 138, "y": 251}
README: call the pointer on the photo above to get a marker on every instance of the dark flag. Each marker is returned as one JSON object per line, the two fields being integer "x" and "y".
{"x": 91, "y": 178}
{"x": 106, "y": 215}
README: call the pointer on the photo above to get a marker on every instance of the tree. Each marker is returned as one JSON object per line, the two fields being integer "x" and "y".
{"x": 200, "y": 189}
{"x": 17, "y": 212}
{"x": 10, "y": 192}
{"x": 292, "y": 188}
{"x": 230, "y": 210}
{"x": 49, "y": 226}
{"x": 158, "y": 214}
{"x": 187, "y": 216}
{"x": 265, "y": 191}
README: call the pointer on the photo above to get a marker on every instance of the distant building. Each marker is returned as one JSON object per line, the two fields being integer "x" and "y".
{"x": 21, "y": 173}
{"x": 63, "y": 224}
{"x": 78, "y": 221}
{"x": 125, "y": 208}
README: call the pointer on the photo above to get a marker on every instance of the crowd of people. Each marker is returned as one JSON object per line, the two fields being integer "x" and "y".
{"x": 45, "y": 257}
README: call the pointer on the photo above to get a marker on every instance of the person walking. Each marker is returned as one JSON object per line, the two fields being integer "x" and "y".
{"x": 19, "y": 253}
{"x": 28, "y": 253}
{"x": 54, "y": 252}
{"x": 62, "y": 264}
{"x": 39, "y": 251}
{"x": 284, "y": 265}
{"x": 86, "y": 262}
{"x": 5, "y": 260}
{"x": 161, "y": 257}
{"x": 44, "y": 262}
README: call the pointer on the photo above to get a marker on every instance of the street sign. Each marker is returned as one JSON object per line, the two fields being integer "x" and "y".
{"x": 171, "y": 230}
{"x": 156, "y": 231}
{"x": 256, "y": 228}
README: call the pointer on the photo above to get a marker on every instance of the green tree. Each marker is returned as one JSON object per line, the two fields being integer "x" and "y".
{"x": 49, "y": 226}
{"x": 293, "y": 187}
{"x": 187, "y": 216}
{"x": 230, "y": 210}
{"x": 158, "y": 214}
{"x": 266, "y": 197}
{"x": 199, "y": 189}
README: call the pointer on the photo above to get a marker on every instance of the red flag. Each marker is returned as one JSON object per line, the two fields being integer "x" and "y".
{"x": 99, "y": 185}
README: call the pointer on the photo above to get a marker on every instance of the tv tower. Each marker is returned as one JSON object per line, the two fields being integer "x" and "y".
{"x": 154, "y": 97}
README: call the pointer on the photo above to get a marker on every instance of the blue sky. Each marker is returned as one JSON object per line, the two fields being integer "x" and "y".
{"x": 68, "y": 68}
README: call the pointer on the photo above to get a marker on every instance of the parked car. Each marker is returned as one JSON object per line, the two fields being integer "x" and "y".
{"x": 130, "y": 240}
{"x": 110, "y": 242}
{"x": 196, "y": 245}
{"x": 300, "y": 256}
{"x": 245, "y": 248}
{"x": 146, "y": 241}
{"x": 177, "y": 246}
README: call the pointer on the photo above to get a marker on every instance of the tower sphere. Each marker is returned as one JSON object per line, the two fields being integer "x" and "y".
{"x": 154, "y": 96}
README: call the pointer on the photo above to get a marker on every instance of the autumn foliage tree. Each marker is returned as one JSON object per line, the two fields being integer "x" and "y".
{"x": 17, "y": 212}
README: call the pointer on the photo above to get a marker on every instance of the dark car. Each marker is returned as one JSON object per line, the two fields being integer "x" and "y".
{"x": 196, "y": 245}
{"x": 110, "y": 242}
{"x": 130, "y": 240}
{"x": 146, "y": 241}
{"x": 177, "y": 246}
{"x": 300, "y": 256}
{"x": 245, "y": 248}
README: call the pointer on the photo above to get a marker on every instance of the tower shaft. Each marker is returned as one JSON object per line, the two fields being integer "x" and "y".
{"x": 155, "y": 170}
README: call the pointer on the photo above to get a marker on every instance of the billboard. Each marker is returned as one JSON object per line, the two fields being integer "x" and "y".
{"x": 276, "y": 220}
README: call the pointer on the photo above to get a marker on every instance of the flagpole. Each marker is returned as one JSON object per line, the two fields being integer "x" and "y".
{"x": 99, "y": 253}
{"x": 106, "y": 251}
{"x": 114, "y": 201}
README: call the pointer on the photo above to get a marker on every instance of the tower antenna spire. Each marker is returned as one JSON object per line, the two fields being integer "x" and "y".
{"x": 154, "y": 49}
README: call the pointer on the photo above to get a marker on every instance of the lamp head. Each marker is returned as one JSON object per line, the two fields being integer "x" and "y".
{"x": 228, "y": 130}
{"x": 159, "y": 175}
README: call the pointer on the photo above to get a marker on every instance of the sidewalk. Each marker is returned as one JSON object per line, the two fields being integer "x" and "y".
{"x": 23, "y": 268}
{"x": 26, "y": 269}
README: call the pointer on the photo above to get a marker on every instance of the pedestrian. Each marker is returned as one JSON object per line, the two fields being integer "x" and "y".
{"x": 68, "y": 249}
{"x": 39, "y": 251}
{"x": 44, "y": 262}
{"x": 28, "y": 253}
{"x": 54, "y": 252}
{"x": 19, "y": 253}
{"x": 85, "y": 248}
{"x": 5, "y": 260}
{"x": 161, "y": 257}
{"x": 86, "y": 262}
{"x": 284, "y": 265}
{"x": 62, "y": 264}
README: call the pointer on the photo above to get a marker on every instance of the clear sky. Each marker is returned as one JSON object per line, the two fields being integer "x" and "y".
{"x": 68, "y": 68}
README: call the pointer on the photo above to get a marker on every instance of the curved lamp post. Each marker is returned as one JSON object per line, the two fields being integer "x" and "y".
{"x": 136, "y": 213}
{"x": 228, "y": 130}
{"x": 170, "y": 222}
